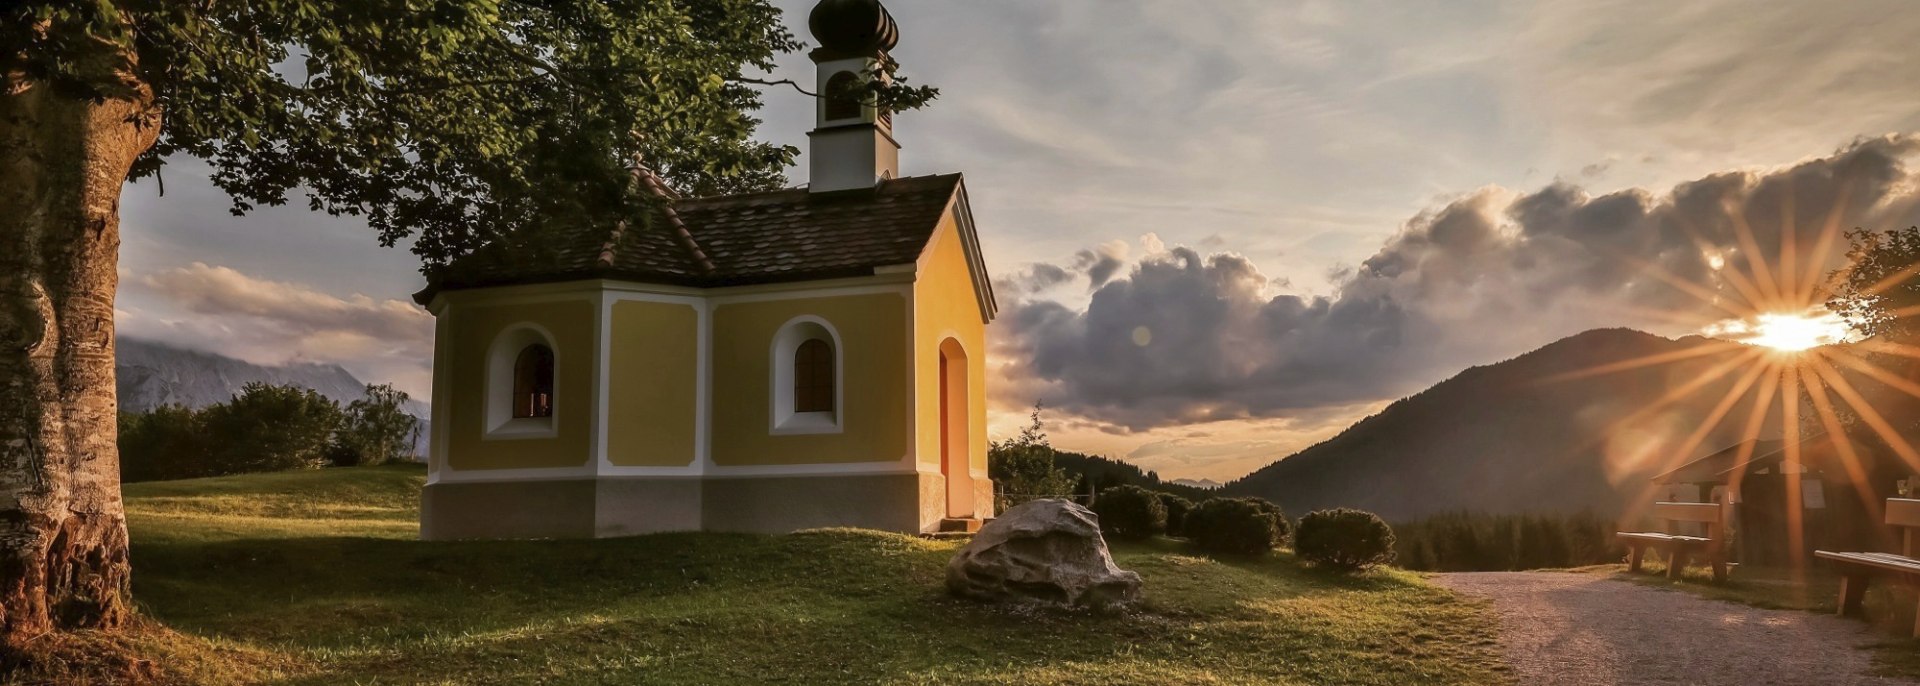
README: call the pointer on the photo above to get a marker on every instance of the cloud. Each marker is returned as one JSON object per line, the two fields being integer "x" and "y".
{"x": 1485, "y": 276}
{"x": 223, "y": 310}
{"x": 1101, "y": 263}
{"x": 1718, "y": 78}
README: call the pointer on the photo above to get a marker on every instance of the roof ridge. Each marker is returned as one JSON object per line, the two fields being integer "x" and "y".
{"x": 681, "y": 234}
{"x": 613, "y": 241}
{"x": 798, "y": 190}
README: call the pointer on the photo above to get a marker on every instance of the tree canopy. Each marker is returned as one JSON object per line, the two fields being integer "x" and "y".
{"x": 1877, "y": 293}
{"x": 450, "y": 122}
{"x": 446, "y": 124}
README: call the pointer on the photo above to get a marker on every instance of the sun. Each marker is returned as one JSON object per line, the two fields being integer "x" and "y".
{"x": 1794, "y": 332}
{"x": 1785, "y": 331}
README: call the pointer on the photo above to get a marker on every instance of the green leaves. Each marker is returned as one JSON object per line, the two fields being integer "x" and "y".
{"x": 448, "y": 122}
{"x": 1878, "y": 292}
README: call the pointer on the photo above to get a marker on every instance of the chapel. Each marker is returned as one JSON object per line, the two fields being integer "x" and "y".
{"x": 763, "y": 362}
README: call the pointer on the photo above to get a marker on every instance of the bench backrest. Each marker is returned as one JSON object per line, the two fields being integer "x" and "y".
{"x": 1904, "y": 513}
{"x": 1711, "y": 513}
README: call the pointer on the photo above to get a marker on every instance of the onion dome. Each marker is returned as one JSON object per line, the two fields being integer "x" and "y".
{"x": 853, "y": 26}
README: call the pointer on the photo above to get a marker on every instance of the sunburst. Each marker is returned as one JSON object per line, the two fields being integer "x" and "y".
{"x": 1791, "y": 347}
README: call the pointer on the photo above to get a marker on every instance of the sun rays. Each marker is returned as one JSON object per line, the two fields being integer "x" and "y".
{"x": 1781, "y": 355}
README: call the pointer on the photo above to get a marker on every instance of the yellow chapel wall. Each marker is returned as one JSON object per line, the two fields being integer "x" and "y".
{"x": 653, "y": 384}
{"x": 946, "y": 306}
{"x": 873, "y": 330}
{"x": 473, "y": 325}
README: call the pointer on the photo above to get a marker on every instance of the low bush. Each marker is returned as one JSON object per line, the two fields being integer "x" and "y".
{"x": 1177, "y": 509}
{"x": 1344, "y": 539}
{"x": 1130, "y": 512}
{"x": 265, "y": 428}
{"x": 1236, "y": 526}
{"x": 1282, "y": 527}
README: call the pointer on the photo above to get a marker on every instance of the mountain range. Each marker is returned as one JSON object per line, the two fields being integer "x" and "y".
{"x": 1575, "y": 425}
{"x": 152, "y": 374}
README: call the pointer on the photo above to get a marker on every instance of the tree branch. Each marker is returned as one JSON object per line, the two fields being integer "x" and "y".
{"x": 780, "y": 82}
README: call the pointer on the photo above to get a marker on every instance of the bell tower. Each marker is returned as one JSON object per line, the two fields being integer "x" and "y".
{"x": 852, "y": 140}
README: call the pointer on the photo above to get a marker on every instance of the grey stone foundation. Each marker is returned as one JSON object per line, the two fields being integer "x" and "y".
{"x": 618, "y": 506}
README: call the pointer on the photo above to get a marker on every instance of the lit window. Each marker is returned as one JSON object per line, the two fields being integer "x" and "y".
{"x": 813, "y": 377}
{"x": 520, "y": 397}
{"x": 533, "y": 383}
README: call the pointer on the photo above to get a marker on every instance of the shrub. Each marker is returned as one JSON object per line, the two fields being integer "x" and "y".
{"x": 265, "y": 428}
{"x": 1022, "y": 468}
{"x": 270, "y": 428}
{"x": 375, "y": 429}
{"x": 1344, "y": 539}
{"x": 167, "y": 443}
{"x": 1235, "y": 526}
{"x": 1177, "y": 509}
{"x": 1130, "y": 512}
{"x": 1282, "y": 527}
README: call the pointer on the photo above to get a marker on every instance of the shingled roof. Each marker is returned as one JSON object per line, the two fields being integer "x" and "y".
{"x": 756, "y": 238}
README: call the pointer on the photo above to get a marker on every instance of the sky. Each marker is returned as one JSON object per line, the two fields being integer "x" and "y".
{"x": 1223, "y": 231}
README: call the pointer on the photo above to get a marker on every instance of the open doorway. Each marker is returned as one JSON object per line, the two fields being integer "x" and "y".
{"x": 955, "y": 433}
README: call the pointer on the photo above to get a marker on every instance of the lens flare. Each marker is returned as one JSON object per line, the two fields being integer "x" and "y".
{"x": 1787, "y": 332}
{"x": 1774, "y": 303}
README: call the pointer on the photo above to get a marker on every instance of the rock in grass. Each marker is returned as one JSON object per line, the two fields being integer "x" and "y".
{"x": 1045, "y": 551}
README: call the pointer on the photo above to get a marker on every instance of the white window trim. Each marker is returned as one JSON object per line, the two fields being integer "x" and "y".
{"x": 500, "y": 424}
{"x": 785, "y": 421}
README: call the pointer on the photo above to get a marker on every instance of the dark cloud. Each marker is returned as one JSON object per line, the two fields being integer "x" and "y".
{"x": 1040, "y": 277}
{"x": 1186, "y": 337}
{"x": 1101, "y": 264}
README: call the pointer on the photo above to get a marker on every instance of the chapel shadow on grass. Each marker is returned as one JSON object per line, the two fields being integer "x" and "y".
{"x": 269, "y": 595}
{"x": 828, "y": 605}
{"x": 317, "y": 590}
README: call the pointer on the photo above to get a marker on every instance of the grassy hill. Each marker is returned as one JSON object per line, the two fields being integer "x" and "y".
{"x": 1530, "y": 434}
{"x": 315, "y": 578}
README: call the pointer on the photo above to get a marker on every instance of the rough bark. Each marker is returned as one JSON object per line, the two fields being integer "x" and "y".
{"x": 63, "y": 536}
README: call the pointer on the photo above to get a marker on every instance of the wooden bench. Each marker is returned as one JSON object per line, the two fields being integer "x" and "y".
{"x": 1858, "y": 569}
{"x": 1680, "y": 548}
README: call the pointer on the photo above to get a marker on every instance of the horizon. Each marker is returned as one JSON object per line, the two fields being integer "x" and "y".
{"x": 1306, "y": 225}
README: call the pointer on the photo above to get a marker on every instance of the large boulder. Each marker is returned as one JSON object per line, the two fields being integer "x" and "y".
{"x": 1044, "y": 551}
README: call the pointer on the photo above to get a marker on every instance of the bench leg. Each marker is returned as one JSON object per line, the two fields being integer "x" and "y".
{"x": 1719, "y": 570}
{"x": 1853, "y": 588}
{"x": 1634, "y": 554}
{"x": 1676, "y": 562}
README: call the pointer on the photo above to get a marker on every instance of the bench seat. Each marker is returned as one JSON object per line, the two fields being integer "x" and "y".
{"x": 1857, "y": 569}
{"x": 1679, "y": 547}
{"x": 1662, "y": 538}
{"x": 1899, "y": 564}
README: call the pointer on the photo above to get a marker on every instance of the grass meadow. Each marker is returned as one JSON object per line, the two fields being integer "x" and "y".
{"x": 317, "y": 578}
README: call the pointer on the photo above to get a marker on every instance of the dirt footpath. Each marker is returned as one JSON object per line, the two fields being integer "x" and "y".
{"x": 1562, "y": 628}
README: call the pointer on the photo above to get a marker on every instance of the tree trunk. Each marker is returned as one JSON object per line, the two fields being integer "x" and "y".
{"x": 63, "y": 534}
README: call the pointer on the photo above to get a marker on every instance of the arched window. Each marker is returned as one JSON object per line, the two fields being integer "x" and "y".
{"x": 533, "y": 383}
{"x": 844, "y": 99}
{"x": 813, "y": 377}
{"x": 808, "y": 364}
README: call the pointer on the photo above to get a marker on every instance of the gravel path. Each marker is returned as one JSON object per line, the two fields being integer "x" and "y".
{"x": 1560, "y": 628}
